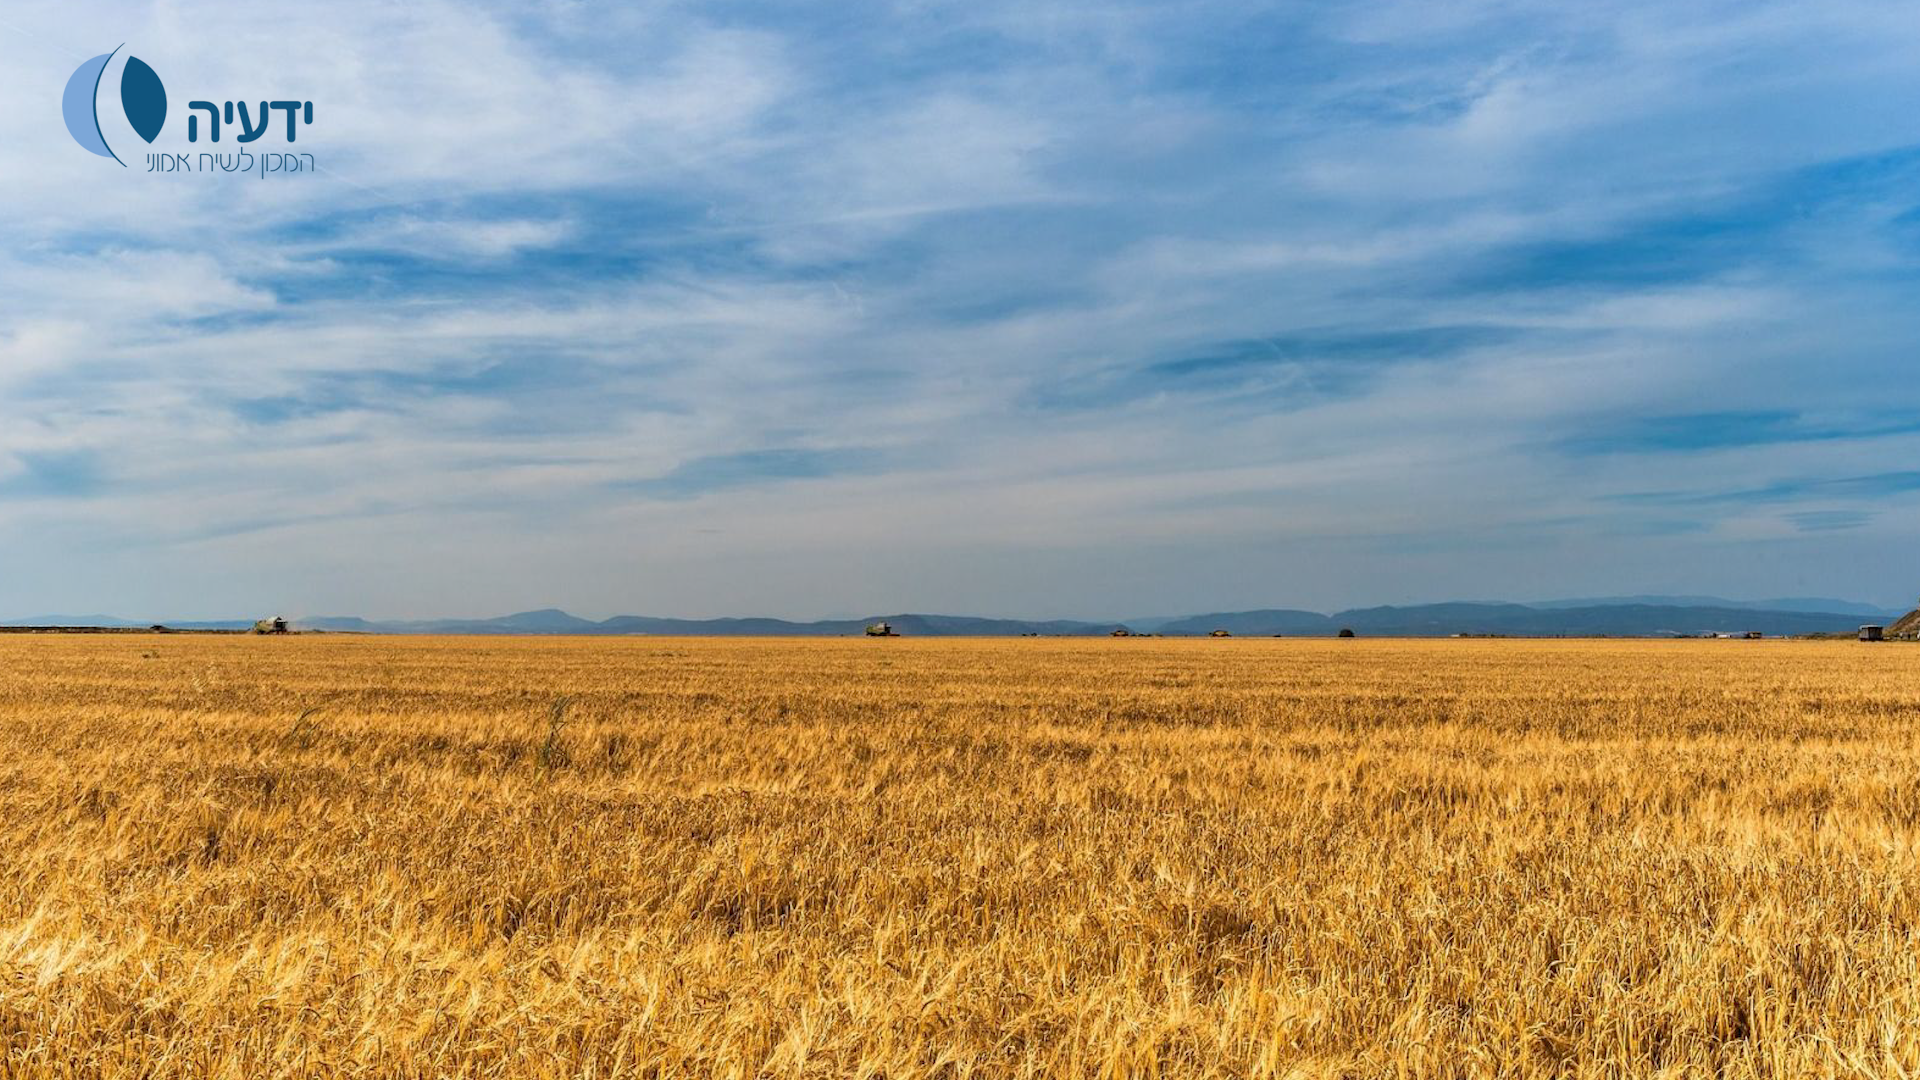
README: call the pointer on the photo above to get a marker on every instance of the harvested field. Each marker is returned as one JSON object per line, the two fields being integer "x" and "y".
{"x": 234, "y": 856}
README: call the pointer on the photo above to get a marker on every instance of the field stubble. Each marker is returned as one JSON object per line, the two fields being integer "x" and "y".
{"x": 336, "y": 856}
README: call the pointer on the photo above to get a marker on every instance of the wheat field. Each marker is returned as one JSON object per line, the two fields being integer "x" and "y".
{"x": 322, "y": 856}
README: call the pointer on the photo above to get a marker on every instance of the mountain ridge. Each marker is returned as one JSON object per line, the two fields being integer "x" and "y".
{"x": 1624, "y": 617}
{"x": 1823, "y": 605}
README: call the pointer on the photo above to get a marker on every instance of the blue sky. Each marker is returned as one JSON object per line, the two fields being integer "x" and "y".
{"x": 1035, "y": 308}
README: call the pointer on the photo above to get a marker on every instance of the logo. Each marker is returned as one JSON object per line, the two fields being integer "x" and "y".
{"x": 142, "y": 97}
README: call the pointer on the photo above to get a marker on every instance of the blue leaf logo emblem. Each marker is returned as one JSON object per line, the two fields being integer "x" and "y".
{"x": 144, "y": 98}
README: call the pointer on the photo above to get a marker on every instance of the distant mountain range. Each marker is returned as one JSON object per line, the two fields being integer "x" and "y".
{"x": 1629, "y": 616}
{"x": 555, "y": 621}
{"x": 1818, "y": 605}
{"x": 1523, "y": 620}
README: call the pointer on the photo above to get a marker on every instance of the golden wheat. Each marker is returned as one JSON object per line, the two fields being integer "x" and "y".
{"x": 341, "y": 856}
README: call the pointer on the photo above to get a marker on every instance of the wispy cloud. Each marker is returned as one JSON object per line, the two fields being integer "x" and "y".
{"x": 1724, "y": 430}
{"x": 751, "y": 468}
{"x": 1829, "y": 520}
{"x": 1278, "y": 372}
{"x": 1874, "y": 486}
{"x": 52, "y": 474}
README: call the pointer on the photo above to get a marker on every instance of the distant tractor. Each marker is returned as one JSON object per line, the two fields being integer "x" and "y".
{"x": 275, "y": 625}
{"x": 1873, "y": 633}
{"x": 1220, "y": 633}
{"x": 881, "y": 629}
